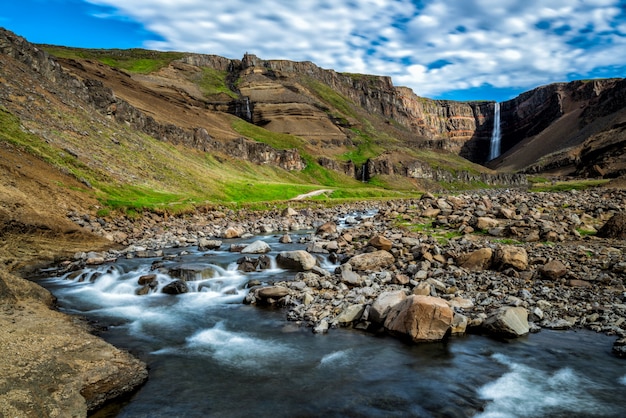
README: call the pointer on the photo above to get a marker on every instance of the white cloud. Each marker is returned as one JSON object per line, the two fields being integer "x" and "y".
{"x": 440, "y": 47}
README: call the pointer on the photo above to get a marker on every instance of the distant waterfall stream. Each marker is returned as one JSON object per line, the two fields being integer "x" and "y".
{"x": 494, "y": 151}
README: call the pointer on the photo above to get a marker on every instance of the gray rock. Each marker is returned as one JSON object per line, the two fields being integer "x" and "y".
{"x": 321, "y": 327}
{"x": 507, "y": 322}
{"x": 257, "y": 247}
{"x": 205, "y": 244}
{"x": 348, "y": 276}
{"x": 298, "y": 260}
{"x": 176, "y": 287}
{"x": 383, "y": 304}
{"x": 350, "y": 314}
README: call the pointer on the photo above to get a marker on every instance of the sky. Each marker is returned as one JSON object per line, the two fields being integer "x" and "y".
{"x": 453, "y": 49}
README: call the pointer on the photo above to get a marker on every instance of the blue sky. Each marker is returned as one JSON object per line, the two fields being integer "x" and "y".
{"x": 455, "y": 49}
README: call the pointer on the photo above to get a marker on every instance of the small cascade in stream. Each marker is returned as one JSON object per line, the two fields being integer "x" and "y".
{"x": 494, "y": 151}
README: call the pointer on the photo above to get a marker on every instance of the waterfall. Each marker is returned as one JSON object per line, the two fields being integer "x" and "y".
{"x": 248, "y": 112}
{"x": 494, "y": 151}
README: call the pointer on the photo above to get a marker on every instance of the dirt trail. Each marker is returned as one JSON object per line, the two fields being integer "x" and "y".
{"x": 311, "y": 194}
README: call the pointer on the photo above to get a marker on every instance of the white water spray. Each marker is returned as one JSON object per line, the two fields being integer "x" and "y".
{"x": 494, "y": 151}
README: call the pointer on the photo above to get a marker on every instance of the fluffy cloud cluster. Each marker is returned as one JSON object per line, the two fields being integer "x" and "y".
{"x": 431, "y": 46}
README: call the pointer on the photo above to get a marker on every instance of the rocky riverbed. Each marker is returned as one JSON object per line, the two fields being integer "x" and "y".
{"x": 503, "y": 263}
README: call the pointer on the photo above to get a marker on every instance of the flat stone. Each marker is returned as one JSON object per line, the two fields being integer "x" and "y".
{"x": 372, "y": 261}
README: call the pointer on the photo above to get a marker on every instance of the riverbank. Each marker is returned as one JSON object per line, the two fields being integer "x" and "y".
{"x": 479, "y": 253}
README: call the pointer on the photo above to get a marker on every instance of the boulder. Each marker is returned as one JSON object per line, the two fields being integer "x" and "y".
{"x": 233, "y": 232}
{"x": 326, "y": 228}
{"x": 380, "y": 243}
{"x": 486, "y": 223}
{"x": 348, "y": 276}
{"x": 299, "y": 260}
{"x": 459, "y": 324}
{"x": 321, "y": 327}
{"x": 476, "y": 260}
{"x": 383, "y": 304}
{"x": 508, "y": 256}
{"x": 247, "y": 264}
{"x": 271, "y": 292}
{"x": 507, "y": 322}
{"x": 553, "y": 270}
{"x": 614, "y": 228}
{"x": 146, "y": 279}
{"x": 205, "y": 244}
{"x": 288, "y": 212}
{"x": 191, "y": 271}
{"x": 420, "y": 318}
{"x": 619, "y": 348}
{"x": 176, "y": 287}
{"x": 372, "y": 261}
{"x": 265, "y": 262}
{"x": 350, "y": 314}
{"x": 257, "y": 247}
{"x": 285, "y": 239}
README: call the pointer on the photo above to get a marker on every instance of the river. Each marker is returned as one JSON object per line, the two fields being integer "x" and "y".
{"x": 212, "y": 356}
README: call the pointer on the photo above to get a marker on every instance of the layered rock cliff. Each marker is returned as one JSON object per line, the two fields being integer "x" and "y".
{"x": 333, "y": 112}
{"x": 564, "y": 127}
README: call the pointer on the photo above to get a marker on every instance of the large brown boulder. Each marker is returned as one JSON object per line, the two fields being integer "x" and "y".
{"x": 326, "y": 229}
{"x": 476, "y": 260}
{"x": 380, "y": 242}
{"x": 420, "y": 318}
{"x": 553, "y": 269}
{"x": 372, "y": 261}
{"x": 614, "y": 228}
{"x": 509, "y": 256}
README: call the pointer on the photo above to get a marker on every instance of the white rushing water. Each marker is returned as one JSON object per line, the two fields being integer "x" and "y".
{"x": 526, "y": 391}
{"x": 494, "y": 150}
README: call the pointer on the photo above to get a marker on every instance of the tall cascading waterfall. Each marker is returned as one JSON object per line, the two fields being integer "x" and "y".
{"x": 248, "y": 112}
{"x": 494, "y": 151}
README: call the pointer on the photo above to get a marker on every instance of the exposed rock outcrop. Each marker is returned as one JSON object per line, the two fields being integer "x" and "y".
{"x": 51, "y": 365}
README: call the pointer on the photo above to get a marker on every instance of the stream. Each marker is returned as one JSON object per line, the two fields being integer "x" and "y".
{"x": 209, "y": 355}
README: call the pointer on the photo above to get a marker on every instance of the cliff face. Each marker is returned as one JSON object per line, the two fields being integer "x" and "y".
{"x": 335, "y": 113}
{"x": 460, "y": 127}
{"x": 560, "y": 127}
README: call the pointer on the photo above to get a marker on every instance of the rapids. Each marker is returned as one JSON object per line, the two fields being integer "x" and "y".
{"x": 210, "y": 355}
